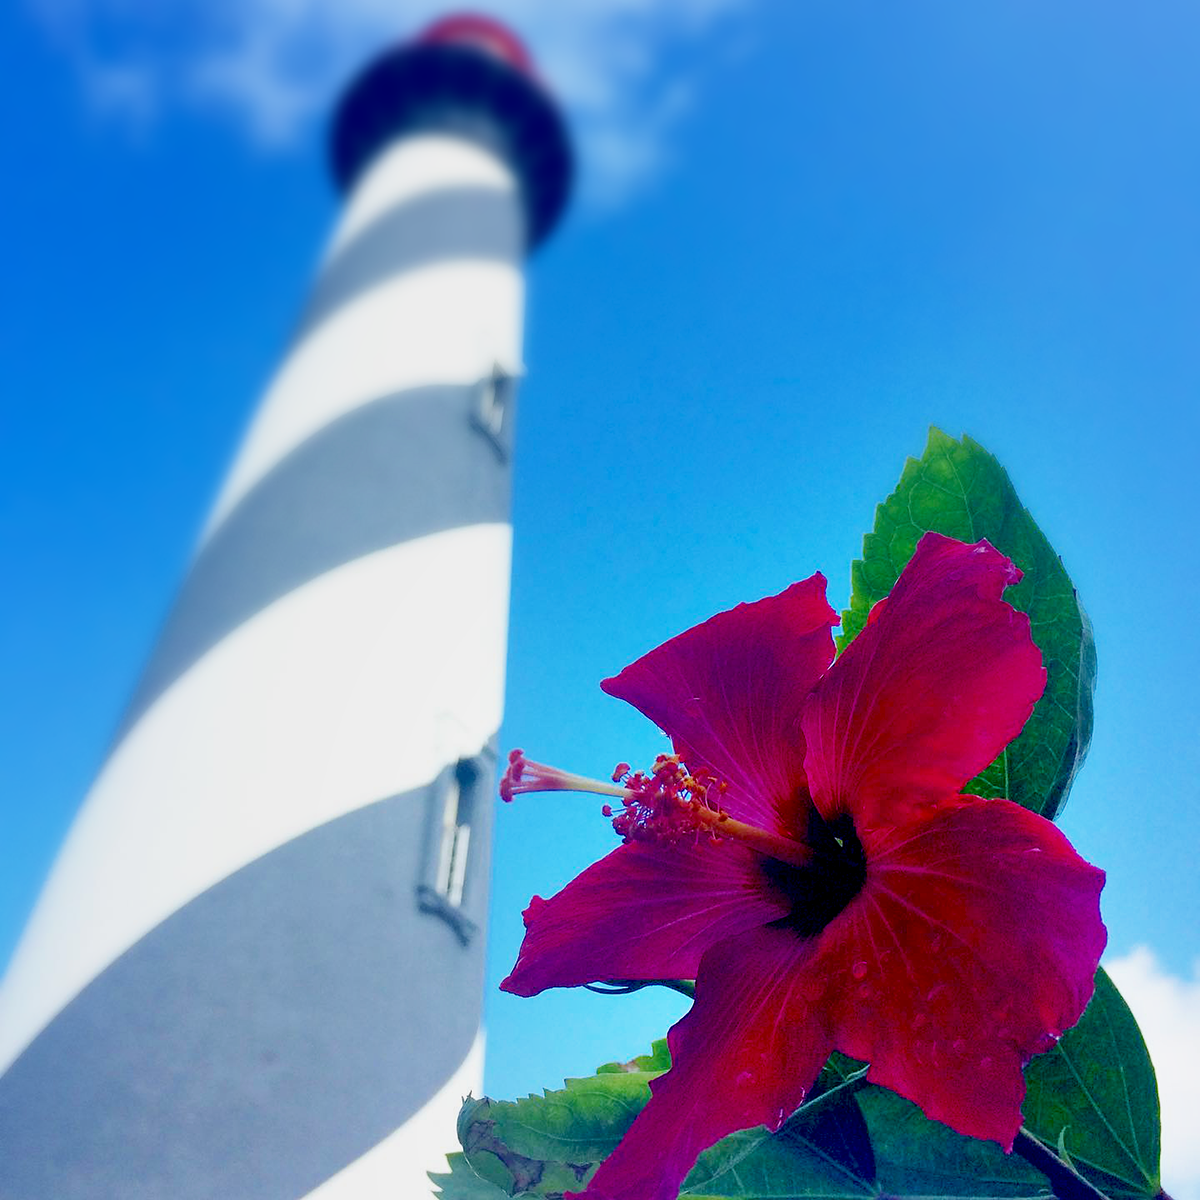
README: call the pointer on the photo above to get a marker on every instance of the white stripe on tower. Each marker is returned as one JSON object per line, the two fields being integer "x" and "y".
{"x": 256, "y": 967}
{"x": 468, "y": 307}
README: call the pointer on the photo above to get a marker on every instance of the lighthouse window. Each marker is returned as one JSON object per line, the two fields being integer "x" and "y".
{"x": 492, "y": 403}
{"x": 452, "y": 800}
{"x": 456, "y": 831}
{"x": 491, "y": 408}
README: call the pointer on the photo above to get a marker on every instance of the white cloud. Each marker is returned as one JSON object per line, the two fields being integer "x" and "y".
{"x": 1167, "y": 1008}
{"x": 276, "y": 65}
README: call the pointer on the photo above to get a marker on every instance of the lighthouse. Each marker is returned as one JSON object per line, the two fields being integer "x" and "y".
{"x": 255, "y": 971}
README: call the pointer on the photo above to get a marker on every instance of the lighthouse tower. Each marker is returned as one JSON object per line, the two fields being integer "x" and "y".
{"x": 255, "y": 971}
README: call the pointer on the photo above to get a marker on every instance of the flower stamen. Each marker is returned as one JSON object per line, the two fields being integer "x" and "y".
{"x": 663, "y": 807}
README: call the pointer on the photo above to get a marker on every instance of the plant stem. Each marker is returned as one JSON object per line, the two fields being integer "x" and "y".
{"x": 623, "y": 987}
{"x": 1067, "y": 1183}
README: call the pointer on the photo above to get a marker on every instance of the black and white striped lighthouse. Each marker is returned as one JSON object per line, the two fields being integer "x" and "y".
{"x": 255, "y": 971}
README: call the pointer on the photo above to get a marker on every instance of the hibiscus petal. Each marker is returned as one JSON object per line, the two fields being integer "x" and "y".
{"x": 642, "y": 912}
{"x": 942, "y": 678}
{"x": 731, "y": 692}
{"x": 745, "y": 1055}
{"x": 972, "y": 946}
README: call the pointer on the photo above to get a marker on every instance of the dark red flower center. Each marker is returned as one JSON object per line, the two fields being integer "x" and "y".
{"x": 822, "y": 888}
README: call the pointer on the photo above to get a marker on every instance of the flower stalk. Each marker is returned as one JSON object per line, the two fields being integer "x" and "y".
{"x": 1067, "y": 1183}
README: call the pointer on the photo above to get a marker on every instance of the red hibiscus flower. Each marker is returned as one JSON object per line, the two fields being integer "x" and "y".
{"x": 806, "y": 856}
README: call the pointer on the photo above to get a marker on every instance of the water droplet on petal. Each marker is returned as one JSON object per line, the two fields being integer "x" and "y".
{"x": 744, "y": 1079}
{"x": 919, "y": 1020}
{"x": 985, "y": 1062}
{"x": 935, "y": 943}
{"x": 859, "y": 970}
{"x": 934, "y": 992}
{"x": 864, "y": 991}
{"x": 958, "y": 1046}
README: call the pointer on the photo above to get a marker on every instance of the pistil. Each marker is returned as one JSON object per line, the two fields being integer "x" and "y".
{"x": 662, "y": 807}
{"x": 525, "y": 775}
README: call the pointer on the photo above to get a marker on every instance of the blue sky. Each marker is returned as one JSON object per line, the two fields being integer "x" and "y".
{"x": 808, "y": 231}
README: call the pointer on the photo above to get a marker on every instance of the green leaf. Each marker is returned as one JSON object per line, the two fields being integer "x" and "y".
{"x": 822, "y": 1153}
{"x": 464, "y": 1183}
{"x": 582, "y": 1122}
{"x": 654, "y": 1063}
{"x": 496, "y": 1148}
{"x": 868, "y": 1143}
{"x": 958, "y": 489}
{"x": 915, "y": 1156}
{"x": 1095, "y": 1095}
{"x": 548, "y": 1143}
{"x": 839, "y": 1069}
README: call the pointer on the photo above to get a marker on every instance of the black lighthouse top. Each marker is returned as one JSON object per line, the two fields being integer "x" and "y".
{"x": 471, "y": 76}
